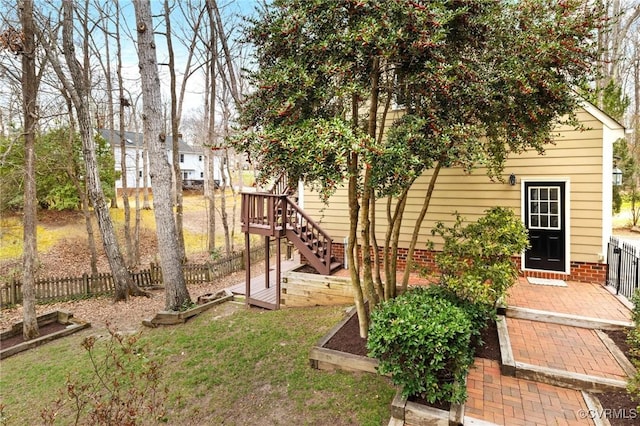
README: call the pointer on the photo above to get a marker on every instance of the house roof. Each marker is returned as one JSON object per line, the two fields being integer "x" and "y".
{"x": 599, "y": 114}
{"x": 133, "y": 139}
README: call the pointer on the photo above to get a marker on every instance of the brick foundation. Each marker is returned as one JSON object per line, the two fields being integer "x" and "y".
{"x": 580, "y": 271}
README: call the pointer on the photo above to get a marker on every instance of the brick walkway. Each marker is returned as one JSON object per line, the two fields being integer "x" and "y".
{"x": 578, "y": 350}
{"x": 505, "y": 400}
{"x": 509, "y": 401}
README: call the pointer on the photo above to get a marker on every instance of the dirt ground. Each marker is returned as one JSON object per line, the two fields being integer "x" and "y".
{"x": 70, "y": 257}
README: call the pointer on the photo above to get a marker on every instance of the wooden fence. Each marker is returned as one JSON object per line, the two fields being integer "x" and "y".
{"x": 48, "y": 289}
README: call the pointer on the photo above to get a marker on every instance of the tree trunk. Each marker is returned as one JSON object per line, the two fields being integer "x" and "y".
{"x": 145, "y": 173}
{"x": 107, "y": 51}
{"x": 29, "y": 99}
{"x": 176, "y": 293}
{"x": 210, "y": 189}
{"x": 418, "y": 224}
{"x": 394, "y": 222}
{"x": 224, "y": 165}
{"x": 234, "y": 204}
{"x": 91, "y": 239}
{"x": 124, "y": 178}
{"x": 80, "y": 95}
{"x": 367, "y": 192}
{"x": 384, "y": 293}
{"x": 352, "y": 240}
{"x": 235, "y": 92}
{"x": 81, "y": 189}
{"x": 210, "y": 111}
{"x": 352, "y": 248}
{"x": 175, "y": 135}
{"x": 223, "y": 205}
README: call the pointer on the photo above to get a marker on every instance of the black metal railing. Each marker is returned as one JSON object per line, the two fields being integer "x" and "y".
{"x": 623, "y": 271}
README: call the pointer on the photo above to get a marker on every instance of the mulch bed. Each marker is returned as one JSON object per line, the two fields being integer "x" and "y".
{"x": 45, "y": 330}
{"x": 619, "y": 404}
{"x": 348, "y": 339}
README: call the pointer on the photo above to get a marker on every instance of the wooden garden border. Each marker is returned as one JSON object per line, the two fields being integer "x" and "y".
{"x": 180, "y": 317}
{"x": 66, "y": 318}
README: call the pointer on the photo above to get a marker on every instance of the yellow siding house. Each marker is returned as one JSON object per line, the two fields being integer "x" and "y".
{"x": 563, "y": 197}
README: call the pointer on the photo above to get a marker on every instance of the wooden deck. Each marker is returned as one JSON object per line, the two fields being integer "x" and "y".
{"x": 261, "y": 295}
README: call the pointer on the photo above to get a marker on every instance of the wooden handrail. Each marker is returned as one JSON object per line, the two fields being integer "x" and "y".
{"x": 316, "y": 239}
{"x": 277, "y": 215}
{"x": 281, "y": 185}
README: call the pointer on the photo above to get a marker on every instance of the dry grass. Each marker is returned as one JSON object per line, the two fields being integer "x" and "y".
{"x": 11, "y": 237}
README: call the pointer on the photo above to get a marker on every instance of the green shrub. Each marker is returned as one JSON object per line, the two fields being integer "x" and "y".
{"x": 633, "y": 339}
{"x": 479, "y": 314}
{"x": 476, "y": 259}
{"x": 424, "y": 341}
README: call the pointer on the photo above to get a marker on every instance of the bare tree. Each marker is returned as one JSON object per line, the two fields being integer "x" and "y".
{"x": 80, "y": 188}
{"x": 210, "y": 120}
{"x": 176, "y": 293}
{"x": 124, "y": 102}
{"x": 614, "y": 40}
{"x": 106, "y": 63}
{"x": 30, "y": 95}
{"x": 175, "y": 135}
{"x": 78, "y": 89}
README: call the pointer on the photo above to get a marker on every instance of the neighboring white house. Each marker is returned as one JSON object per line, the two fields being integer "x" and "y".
{"x": 192, "y": 160}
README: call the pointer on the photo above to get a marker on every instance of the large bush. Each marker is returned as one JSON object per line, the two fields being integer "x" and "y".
{"x": 424, "y": 341}
{"x": 476, "y": 259}
{"x": 60, "y": 163}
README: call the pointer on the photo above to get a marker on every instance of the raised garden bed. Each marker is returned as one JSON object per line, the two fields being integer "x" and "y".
{"x": 415, "y": 413}
{"x": 205, "y": 302}
{"x": 52, "y": 325}
{"x": 325, "y": 356}
{"x": 343, "y": 349}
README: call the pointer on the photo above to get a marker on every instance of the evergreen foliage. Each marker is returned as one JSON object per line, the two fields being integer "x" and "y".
{"x": 476, "y": 260}
{"x": 59, "y": 164}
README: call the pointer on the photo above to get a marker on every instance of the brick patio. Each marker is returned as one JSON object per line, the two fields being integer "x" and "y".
{"x": 586, "y": 299}
{"x": 505, "y": 400}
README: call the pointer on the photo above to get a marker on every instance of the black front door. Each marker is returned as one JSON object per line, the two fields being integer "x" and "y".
{"x": 545, "y": 220}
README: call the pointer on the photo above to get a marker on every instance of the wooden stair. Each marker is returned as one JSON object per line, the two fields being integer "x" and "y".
{"x": 275, "y": 214}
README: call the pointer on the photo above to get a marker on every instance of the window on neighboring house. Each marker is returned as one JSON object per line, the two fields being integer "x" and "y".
{"x": 185, "y": 175}
{"x": 182, "y": 158}
{"x": 199, "y": 157}
{"x": 201, "y": 174}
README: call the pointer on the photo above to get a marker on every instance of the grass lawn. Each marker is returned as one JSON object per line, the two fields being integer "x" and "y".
{"x": 229, "y": 366}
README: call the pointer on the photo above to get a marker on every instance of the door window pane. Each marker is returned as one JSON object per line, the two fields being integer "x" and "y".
{"x": 544, "y": 206}
{"x": 534, "y": 221}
